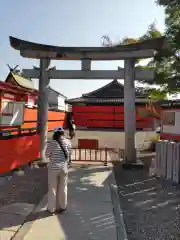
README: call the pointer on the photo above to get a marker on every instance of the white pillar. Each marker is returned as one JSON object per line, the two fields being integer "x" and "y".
{"x": 43, "y": 105}
{"x": 129, "y": 111}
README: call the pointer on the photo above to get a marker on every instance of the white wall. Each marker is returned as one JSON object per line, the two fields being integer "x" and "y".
{"x": 113, "y": 139}
{"x": 173, "y": 129}
{"x": 61, "y": 103}
{"x": 56, "y": 101}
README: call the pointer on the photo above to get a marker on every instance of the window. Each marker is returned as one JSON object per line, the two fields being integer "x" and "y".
{"x": 7, "y": 108}
{"x": 168, "y": 118}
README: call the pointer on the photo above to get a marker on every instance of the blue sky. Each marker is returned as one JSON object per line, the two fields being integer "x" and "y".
{"x": 72, "y": 23}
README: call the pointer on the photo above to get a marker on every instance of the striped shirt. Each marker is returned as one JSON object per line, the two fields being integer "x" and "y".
{"x": 56, "y": 155}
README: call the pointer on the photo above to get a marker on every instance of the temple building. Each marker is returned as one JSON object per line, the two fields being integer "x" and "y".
{"x": 104, "y": 108}
{"x": 57, "y": 106}
{"x": 56, "y": 99}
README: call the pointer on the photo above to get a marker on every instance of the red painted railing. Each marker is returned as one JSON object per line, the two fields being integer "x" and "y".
{"x": 18, "y": 149}
{"x": 104, "y": 155}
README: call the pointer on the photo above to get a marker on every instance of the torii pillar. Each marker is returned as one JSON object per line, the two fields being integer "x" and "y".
{"x": 42, "y": 124}
{"x": 129, "y": 114}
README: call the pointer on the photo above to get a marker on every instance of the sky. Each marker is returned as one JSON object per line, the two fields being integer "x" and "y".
{"x": 72, "y": 23}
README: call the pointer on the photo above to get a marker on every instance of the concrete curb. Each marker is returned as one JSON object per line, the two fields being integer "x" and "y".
{"x": 118, "y": 214}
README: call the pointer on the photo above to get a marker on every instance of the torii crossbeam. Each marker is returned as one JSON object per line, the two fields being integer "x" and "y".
{"x": 129, "y": 53}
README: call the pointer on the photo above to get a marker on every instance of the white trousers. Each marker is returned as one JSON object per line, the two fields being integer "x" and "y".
{"x": 57, "y": 189}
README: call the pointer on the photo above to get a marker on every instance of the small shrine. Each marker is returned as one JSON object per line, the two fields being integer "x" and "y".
{"x": 12, "y": 104}
{"x": 25, "y": 84}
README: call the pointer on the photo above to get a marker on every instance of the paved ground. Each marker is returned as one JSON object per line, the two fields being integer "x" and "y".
{"x": 151, "y": 207}
{"x": 89, "y": 215}
{"x": 18, "y": 196}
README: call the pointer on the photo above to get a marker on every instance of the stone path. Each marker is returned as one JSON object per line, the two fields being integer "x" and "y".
{"x": 89, "y": 215}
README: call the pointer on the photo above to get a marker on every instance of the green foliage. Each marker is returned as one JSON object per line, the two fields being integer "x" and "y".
{"x": 167, "y": 61}
{"x": 161, "y": 93}
{"x": 153, "y": 93}
{"x": 152, "y": 32}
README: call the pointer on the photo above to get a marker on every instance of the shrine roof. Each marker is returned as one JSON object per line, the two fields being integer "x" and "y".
{"x": 94, "y": 53}
{"x": 106, "y": 101}
{"x": 112, "y": 92}
{"x": 113, "y": 89}
{"x": 21, "y": 81}
{"x": 10, "y": 88}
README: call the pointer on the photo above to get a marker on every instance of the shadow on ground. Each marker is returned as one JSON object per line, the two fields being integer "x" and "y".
{"x": 92, "y": 206}
{"x": 151, "y": 206}
{"x": 83, "y": 215}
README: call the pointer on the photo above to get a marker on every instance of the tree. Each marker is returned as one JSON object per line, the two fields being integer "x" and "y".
{"x": 153, "y": 93}
{"x": 167, "y": 61}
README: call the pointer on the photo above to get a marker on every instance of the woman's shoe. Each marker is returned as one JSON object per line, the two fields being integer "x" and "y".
{"x": 61, "y": 210}
{"x": 51, "y": 212}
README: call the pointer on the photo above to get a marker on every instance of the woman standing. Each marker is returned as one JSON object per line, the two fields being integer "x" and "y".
{"x": 58, "y": 152}
{"x": 72, "y": 128}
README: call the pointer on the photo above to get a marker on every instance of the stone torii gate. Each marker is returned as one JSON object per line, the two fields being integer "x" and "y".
{"x": 129, "y": 53}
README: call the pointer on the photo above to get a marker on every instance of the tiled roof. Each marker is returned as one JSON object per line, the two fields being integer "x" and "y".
{"x": 113, "y": 89}
{"x": 82, "y": 100}
{"x": 23, "y": 82}
{"x": 112, "y": 93}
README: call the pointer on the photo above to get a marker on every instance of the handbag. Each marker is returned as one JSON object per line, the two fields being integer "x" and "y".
{"x": 65, "y": 154}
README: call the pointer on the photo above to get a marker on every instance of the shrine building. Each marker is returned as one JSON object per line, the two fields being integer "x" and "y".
{"x": 104, "y": 109}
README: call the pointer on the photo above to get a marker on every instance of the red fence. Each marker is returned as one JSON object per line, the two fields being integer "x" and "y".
{"x": 18, "y": 151}
{"x": 104, "y": 155}
{"x": 21, "y": 144}
{"x": 30, "y": 119}
{"x": 54, "y": 119}
{"x": 105, "y": 117}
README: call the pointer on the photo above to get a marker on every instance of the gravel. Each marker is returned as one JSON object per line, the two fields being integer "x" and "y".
{"x": 28, "y": 186}
{"x": 151, "y": 206}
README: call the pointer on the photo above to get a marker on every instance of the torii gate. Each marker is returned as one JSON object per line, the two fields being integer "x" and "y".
{"x": 129, "y": 53}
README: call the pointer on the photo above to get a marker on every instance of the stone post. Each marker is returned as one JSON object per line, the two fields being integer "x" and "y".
{"x": 43, "y": 105}
{"x": 129, "y": 111}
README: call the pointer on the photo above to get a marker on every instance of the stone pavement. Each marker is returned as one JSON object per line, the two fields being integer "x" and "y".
{"x": 89, "y": 215}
